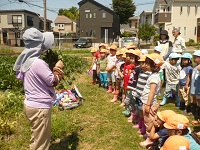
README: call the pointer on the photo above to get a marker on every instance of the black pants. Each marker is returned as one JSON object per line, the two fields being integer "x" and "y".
{"x": 95, "y": 76}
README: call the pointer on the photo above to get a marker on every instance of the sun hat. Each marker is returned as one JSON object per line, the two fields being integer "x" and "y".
{"x": 106, "y": 46}
{"x": 103, "y": 51}
{"x": 36, "y": 42}
{"x": 177, "y": 121}
{"x": 118, "y": 53}
{"x": 156, "y": 58}
{"x": 130, "y": 46}
{"x": 165, "y": 114}
{"x": 93, "y": 50}
{"x": 176, "y": 142}
{"x": 158, "y": 48}
{"x": 113, "y": 47}
{"x": 124, "y": 55}
{"x": 174, "y": 56}
{"x": 163, "y": 32}
{"x": 144, "y": 51}
{"x": 187, "y": 55}
{"x": 142, "y": 58}
{"x": 123, "y": 50}
{"x": 136, "y": 52}
{"x": 197, "y": 53}
{"x": 128, "y": 51}
{"x": 101, "y": 44}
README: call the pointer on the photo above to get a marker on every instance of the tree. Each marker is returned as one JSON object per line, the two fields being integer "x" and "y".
{"x": 146, "y": 31}
{"x": 71, "y": 13}
{"x": 124, "y": 9}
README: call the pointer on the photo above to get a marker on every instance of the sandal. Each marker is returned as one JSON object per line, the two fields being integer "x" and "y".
{"x": 145, "y": 143}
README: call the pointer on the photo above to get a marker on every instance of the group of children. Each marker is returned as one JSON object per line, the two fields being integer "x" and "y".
{"x": 136, "y": 77}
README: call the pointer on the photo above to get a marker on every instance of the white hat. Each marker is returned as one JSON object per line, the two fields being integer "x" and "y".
{"x": 174, "y": 55}
{"x": 144, "y": 51}
{"x": 158, "y": 48}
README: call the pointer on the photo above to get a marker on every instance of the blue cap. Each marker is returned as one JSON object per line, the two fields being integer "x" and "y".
{"x": 174, "y": 55}
{"x": 197, "y": 53}
{"x": 158, "y": 48}
{"x": 187, "y": 55}
{"x": 144, "y": 51}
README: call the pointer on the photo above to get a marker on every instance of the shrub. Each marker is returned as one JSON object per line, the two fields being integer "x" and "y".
{"x": 191, "y": 42}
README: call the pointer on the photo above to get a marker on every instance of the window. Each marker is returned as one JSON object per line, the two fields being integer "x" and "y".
{"x": 196, "y": 9}
{"x": 86, "y": 15}
{"x": 94, "y": 15}
{"x": 188, "y": 9}
{"x": 181, "y": 9}
{"x": 195, "y": 30}
{"x": 61, "y": 27}
{"x": 104, "y": 15}
{"x": 90, "y": 15}
{"x": 29, "y": 21}
{"x": 17, "y": 19}
{"x": 185, "y": 31}
{"x": 168, "y": 9}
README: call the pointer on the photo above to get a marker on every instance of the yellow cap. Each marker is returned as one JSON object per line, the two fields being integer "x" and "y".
{"x": 142, "y": 58}
{"x": 93, "y": 50}
{"x": 103, "y": 51}
{"x": 113, "y": 47}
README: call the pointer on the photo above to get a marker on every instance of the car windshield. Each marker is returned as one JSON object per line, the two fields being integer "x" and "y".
{"x": 129, "y": 40}
{"x": 82, "y": 40}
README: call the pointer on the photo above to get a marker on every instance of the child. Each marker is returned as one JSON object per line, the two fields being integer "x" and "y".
{"x": 144, "y": 51}
{"x": 126, "y": 67}
{"x": 172, "y": 70}
{"x": 195, "y": 90}
{"x": 184, "y": 82}
{"x": 111, "y": 68}
{"x": 130, "y": 46}
{"x": 118, "y": 74}
{"x": 102, "y": 68}
{"x": 151, "y": 89}
{"x": 176, "y": 143}
{"x": 158, "y": 132}
{"x": 94, "y": 66}
{"x": 178, "y": 125}
{"x": 157, "y": 49}
{"x": 136, "y": 94}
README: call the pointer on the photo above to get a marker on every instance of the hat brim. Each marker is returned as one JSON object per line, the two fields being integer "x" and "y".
{"x": 160, "y": 116}
{"x": 48, "y": 40}
{"x": 167, "y": 126}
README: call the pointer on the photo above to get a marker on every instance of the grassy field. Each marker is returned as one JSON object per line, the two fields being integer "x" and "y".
{"x": 96, "y": 125}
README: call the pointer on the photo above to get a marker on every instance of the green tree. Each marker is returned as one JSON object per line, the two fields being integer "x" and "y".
{"x": 146, "y": 31}
{"x": 124, "y": 9}
{"x": 71, "y": 13}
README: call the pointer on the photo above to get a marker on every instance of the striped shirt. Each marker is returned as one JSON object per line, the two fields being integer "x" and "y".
{"x": 142, "y": 80}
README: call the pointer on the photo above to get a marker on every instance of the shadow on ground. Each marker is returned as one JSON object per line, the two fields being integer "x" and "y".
{"x": 69, "y": 142}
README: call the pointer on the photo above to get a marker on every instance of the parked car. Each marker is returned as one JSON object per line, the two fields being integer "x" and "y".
{"x": 83, "y": 43}
{"x": 128, "y": 40}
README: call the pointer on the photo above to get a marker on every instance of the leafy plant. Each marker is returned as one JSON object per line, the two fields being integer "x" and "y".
{"x": 191, "y": 42}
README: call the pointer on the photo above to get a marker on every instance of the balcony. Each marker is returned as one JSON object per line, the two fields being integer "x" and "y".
{"x": 164, "y": 17}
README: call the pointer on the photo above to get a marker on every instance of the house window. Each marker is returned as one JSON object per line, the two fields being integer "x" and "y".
{"x": 196, "y": 9}
{"x": 29, "y": 21}
{"x": 61, "y": 26}
{"x": 195, "y": 30}
{"x": 86, "y": 15}
{"x": 94, "y": 15}
{"x": 181, "y": 9}
{"x": 90, "y": 15}
{"x": 188, "y": 9}
{"x": 17, "y": 19}
{"x": 168, "y": 9}
{"x": 104, "y": 15}
{"x": 185, "y": 31}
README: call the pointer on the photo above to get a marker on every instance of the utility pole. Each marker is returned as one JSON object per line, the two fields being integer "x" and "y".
{"x": 45, "y": 16}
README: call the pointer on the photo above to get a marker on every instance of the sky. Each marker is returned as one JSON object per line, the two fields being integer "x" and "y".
{"x": 55, "y": 5}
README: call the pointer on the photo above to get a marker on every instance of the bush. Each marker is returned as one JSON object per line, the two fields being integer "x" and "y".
{"x": 6, "y": 50}
{"x": 190, "y": 43}
{"x": 156, "y": 38}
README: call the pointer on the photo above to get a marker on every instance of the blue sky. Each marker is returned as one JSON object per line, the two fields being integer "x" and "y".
{"x": 57, "y": 4}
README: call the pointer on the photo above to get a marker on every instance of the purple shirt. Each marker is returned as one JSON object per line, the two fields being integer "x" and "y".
{"x": 38, "y": 85}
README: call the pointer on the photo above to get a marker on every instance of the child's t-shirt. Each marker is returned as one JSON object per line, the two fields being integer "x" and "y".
{"x": 134, "y": 77}
{"x": 184, "y": 75}
{"x": 195, "y": 82}
{"x": 111, "y": 60}
{"x": 171, "y": 72}
{"x": 103, "y": 64}
{"x": 127, "y": 71}
{"x": 118, "y": 64}
{"x": 153, "y": 78}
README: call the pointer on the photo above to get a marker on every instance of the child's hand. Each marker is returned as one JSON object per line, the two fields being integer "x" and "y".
{"x": 146, "y": 108}
{"x": 186, "y": 87}
{"x": 60, "y": 64}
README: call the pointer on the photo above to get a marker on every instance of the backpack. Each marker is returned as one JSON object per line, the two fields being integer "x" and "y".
{"x": 195, "y": 137}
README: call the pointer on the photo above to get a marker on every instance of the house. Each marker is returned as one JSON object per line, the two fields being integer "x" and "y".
{"x": 98, "y": 22}
{"x": 14, "y": 22}
{"x": 146, "y": 17}
{"x": 131, "y": 27}
{"x": 64, "y": 25}
{"x": 182, "y": 14}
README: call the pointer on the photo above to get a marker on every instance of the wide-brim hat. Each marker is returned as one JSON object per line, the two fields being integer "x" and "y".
{"x": 163, "y": 32}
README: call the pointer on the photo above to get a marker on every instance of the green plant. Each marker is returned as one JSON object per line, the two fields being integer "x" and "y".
{"x": 156, "y": 38}
{"x": 6, "y": 50}
{"x": 126, "y": 34}
{"x": 191, "y": 42}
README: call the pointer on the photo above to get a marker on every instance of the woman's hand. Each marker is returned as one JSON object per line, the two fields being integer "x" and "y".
{"x": 146, "y": 108}
{"x": 60, "y": 64}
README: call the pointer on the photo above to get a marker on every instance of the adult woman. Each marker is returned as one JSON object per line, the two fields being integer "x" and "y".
{"x": 38, "y": 81}
{"x": 165, "y": 44}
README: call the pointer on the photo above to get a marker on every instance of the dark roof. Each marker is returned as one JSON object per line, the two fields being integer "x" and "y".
{"x": 18, "y": 10}
{"x": 97, "y": 4}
